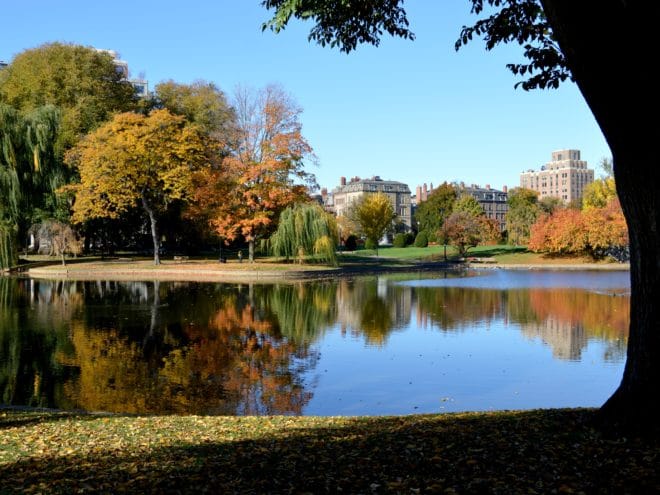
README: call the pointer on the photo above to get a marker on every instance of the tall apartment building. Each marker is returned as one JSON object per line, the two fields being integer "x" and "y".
{"x": 350, "y": 192}
{"x": 565, "y": 177}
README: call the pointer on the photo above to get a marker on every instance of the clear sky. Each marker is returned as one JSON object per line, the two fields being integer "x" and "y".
{"x": 412, "y": 111}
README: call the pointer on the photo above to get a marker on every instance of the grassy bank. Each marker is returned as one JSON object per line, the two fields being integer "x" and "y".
{"x": 542, "y": 451}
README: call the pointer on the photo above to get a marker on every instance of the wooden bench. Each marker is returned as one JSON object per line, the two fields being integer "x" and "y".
{"x": 181, "y": 259}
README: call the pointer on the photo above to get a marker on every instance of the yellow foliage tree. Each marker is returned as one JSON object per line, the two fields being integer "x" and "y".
{"x": 136, "y": 160}
{"x": 599, "y": 193}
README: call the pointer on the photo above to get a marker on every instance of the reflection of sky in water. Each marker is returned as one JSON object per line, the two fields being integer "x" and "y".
{"x": 487, "y": 364}
{"x": 532, "y": 279}
{"x": 421, "y": 370}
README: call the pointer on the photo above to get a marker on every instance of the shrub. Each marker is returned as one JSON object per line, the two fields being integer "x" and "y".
{"x": 422, "y": 239}
{"x": 369, "y": 244}
{"x": 400, "y": 240}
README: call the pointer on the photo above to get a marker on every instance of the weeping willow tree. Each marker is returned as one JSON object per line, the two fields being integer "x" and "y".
{"x": 30, "y": 173}
{"x": 306, "y": 230}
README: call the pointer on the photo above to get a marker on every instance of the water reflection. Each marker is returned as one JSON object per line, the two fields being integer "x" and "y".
{"x": 150, "y": 347}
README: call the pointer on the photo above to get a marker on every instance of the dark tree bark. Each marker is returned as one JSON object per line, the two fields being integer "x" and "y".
{"x": 611, "y": 48}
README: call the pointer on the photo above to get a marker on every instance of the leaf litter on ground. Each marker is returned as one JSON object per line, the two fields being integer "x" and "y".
{"x": 538, "y": 451}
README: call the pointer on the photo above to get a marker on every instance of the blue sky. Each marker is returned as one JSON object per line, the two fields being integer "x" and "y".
{"x": 409, "y": 111}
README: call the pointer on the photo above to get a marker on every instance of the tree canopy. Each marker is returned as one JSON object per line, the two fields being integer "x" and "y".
{"x": 374, "y": 214}
{"x": 29, "y": 173}
{"x": 433, "y": 212}
{"x": 201, "y": 102}
{"x": 81, "y": 81}
{"x": 522, "y": 214}
{"x": 136, "y": 160}
{"x": 264, "y": 171}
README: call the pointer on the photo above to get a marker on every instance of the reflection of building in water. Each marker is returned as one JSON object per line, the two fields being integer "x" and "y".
{"x": 565, "y": 338}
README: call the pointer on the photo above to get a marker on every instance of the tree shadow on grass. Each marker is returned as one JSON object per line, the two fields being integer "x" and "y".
{"x": 521, "y": 452}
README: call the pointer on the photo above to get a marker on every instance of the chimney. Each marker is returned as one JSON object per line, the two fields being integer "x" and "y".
{"x": 504, "y": 188}
{"x": 342, "y": 181}
{"x": 324, "y": 193}
{"x": 488, "y": 186}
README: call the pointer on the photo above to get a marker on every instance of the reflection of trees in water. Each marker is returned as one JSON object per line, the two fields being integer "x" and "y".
{"x": 243, "y": 349}
{"x": 304, "y": 311}
{"x": 372, "y": 308}
{"x": 565, "y": 319}
{"x": 33, "y": 329}
{"x": 225, "y": 357}
{"x": 455, "y": 309}
{"x": 572, "y": 317}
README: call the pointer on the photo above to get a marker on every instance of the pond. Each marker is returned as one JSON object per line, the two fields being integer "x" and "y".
{"x": 478, "y": 340}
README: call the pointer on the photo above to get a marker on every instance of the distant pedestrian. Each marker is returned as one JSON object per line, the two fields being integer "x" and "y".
{"x": 240, "y": 256}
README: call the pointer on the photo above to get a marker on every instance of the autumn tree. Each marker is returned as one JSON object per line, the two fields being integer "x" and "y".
{"x": 466, "y": 230}
{"x": 598, "y": 45}
{"x": 303, "y": 230}
{"x": 594, "y": 231}
{"x": 264, "y": 172}
{"x": 560, "y": 233}
{"x": 606, "y": 230}
{"x": 374, "y": 214}
{"x": 521, "y": 215}
{"x": 599, "y": 193}
{"x": 136, "y": 161}
{"x": 82, "y": 82}
{"x": 432, "y": 213}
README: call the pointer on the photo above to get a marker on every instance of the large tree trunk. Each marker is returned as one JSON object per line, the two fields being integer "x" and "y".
{"x": 154, "y": 229}
{"x": 611, "y": 46}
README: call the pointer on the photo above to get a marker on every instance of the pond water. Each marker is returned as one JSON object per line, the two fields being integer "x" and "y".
{"x": 478, "y": 340}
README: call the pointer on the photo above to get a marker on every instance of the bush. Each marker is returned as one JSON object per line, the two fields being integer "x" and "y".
{"x": 422, "y": 239}
{"x": 369, "y": 244}
{"x": 351, "y": 243}
{"x": 400, "y": 240}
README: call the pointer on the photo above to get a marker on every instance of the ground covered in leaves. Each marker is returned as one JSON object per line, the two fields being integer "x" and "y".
{"x": 542, "y": 451}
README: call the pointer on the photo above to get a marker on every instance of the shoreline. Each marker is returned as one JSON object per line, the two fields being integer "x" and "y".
{"x": 208, "y": 272}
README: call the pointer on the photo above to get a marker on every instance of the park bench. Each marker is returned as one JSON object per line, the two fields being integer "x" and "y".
{"x": 181, "y": 259}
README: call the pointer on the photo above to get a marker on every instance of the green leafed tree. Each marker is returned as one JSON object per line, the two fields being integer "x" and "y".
{"x": 521, "y": 215}
{"x": 82, "y": 82}
{"x": 603, "y": 46}
{"x": 200, "y": 102}
{"x": 137, "y": 161}
{"x": 29, "y": 174}
{"x": 374, "y": 214}
{"x": 432, "y": 213}
{"x": 306, "y": 230}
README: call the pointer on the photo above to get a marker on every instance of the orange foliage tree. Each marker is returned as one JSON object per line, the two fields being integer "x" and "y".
{"x": 562, "y": 232}
{"x": 263, "y": 173}
{"x": 569, "y": 231}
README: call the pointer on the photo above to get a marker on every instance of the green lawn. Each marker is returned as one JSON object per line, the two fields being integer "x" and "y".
{"x": 526, "y": 452}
